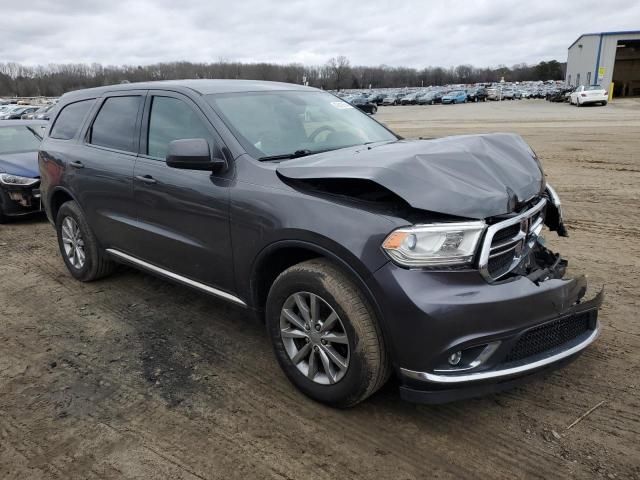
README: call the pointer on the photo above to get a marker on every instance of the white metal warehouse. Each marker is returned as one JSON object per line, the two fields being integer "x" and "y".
{"x": 605, "y": 58}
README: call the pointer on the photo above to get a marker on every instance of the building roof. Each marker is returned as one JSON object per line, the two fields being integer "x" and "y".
{"x": 624, "y": 32}
{"x": 201, "y": 86}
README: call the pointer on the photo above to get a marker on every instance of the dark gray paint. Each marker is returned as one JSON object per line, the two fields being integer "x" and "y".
{"x": 221, "y": 229}
{"x": 474, "y": 176}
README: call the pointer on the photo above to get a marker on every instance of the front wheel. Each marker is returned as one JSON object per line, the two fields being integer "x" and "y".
{"x": 374, "y": 110}
{"x": 84, "y": 258}
{"x": 325, "y": 335}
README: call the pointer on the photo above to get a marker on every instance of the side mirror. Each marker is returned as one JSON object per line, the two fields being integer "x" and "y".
{"x": 193, "y": 154}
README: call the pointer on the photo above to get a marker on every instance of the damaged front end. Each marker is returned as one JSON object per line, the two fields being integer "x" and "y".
{"x": 513, "y": 245}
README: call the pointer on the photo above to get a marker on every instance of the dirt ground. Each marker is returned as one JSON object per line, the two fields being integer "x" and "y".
{"x": 134, "y": 377}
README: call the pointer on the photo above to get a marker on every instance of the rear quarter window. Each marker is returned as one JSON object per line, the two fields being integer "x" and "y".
{"x": 70, "y": 119}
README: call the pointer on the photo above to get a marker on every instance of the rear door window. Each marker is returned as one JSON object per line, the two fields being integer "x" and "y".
{"x": 172, "y": 119}
{"x": 70, "y": 120}
{"x": 115, "y": 125}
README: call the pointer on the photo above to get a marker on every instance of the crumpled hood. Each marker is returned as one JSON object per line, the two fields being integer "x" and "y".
{"x": 24, "y": 164}
{"x": 474, "y": 176}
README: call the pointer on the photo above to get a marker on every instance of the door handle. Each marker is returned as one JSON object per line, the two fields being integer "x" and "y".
{"x": 148, "y": 179}
{"x": 77, "y": 164}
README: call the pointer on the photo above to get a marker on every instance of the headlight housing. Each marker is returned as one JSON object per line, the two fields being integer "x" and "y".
{"x": 17, "y": 180}
{"x": 555, "y": 198}
{"x": 437, "y": 244}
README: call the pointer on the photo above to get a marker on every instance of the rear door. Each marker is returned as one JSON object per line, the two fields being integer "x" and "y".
{"x": 183, "y": 215}
{"x": 99, "y": 167}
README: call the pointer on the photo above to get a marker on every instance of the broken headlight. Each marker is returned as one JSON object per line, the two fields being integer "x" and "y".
{"x": 438, "y": 244}
{"x": 553, "y": 218}
{"x": 555, "y": 199}
{"x": 17, "y": 180}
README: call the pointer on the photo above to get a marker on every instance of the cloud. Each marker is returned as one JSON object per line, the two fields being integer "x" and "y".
{"x": 414, "y": 33}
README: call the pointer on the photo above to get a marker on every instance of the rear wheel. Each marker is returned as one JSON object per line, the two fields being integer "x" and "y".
{"x": 374, "y": 110}
{"x": 325, "y": 334}
{"x": 84, "y": 258}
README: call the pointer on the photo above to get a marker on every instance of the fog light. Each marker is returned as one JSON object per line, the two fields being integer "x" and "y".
{"x": 454, "y": 358}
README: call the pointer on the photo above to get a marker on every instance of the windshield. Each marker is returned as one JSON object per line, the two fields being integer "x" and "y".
{"x": 20, "y": 138}
{"x": 290, "y": 122}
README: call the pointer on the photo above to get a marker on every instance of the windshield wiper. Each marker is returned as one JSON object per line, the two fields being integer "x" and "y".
{"x": 286, "y": 156}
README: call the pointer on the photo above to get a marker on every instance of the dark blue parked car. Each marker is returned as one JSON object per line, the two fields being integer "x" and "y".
{"x": 19, "y": 176}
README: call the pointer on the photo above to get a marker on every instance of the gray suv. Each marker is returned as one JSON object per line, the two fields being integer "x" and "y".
{"x": 366, "y": 255}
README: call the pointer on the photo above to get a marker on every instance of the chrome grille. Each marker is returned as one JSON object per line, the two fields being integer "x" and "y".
{"x": 507, "y": 242}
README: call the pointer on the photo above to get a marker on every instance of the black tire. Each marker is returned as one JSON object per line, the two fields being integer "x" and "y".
{"x": 374, "y": 110}
{"x": 603, "y": 104}
{"x": 368, "y": 368}
{"x": 96, "y": 263}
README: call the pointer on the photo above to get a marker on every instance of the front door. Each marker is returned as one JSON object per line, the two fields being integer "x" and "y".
{"x": 183, "y": 215}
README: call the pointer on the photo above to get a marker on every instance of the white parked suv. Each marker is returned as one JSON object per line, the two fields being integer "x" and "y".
{"x": 590, "y": 94}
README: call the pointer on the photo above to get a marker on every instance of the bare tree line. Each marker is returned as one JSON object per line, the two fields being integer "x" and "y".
{"x": 337, "y": 73}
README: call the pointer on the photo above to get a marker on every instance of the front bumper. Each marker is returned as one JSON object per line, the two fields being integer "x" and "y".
{"x": 428, "y": 316}
{"x": 18, "y": 200}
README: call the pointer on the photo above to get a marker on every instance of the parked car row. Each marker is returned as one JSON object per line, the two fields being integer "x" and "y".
{"x": 366, "y": 100}
{"x": 25, "y": 112}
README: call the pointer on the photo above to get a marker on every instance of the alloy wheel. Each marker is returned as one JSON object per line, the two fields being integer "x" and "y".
{"x": 314, "y": 338}
{"x": 73, "y": 242}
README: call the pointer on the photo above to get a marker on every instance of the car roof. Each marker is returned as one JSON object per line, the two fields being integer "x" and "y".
{"x": 200, "y": 86}
{"x": 13, "y": 123}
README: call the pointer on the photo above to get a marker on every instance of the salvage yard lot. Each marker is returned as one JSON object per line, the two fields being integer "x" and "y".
{"x": 134, "y": 377}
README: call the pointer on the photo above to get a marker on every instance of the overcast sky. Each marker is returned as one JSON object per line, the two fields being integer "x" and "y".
{"x": 412, "y": 33}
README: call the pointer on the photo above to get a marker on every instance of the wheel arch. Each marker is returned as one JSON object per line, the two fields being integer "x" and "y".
{"x": 57, "y": 198}
{"x": 280, "y": 255}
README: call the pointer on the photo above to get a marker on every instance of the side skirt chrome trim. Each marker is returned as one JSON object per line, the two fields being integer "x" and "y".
{"x": 507, "y": 372}
{"x": 176, "y": 277}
